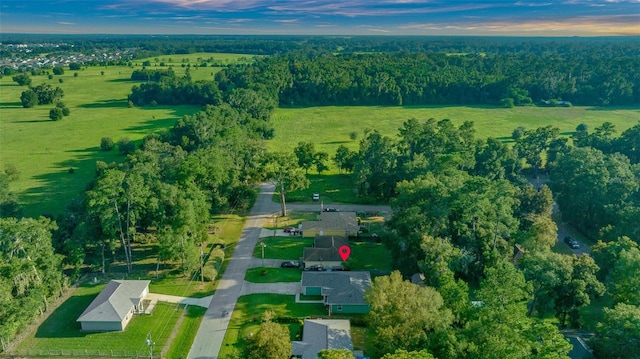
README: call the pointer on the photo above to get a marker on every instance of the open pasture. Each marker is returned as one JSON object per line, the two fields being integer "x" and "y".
{"x": 44, "y": 151}
{"x": 328, "y": 127}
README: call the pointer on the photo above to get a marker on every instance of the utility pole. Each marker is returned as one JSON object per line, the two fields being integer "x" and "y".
{"x": 262, "y": 245}
{"x": 275, "y": 223}
{"x": 201, "y": 264}
{"x": 150, "y": 344}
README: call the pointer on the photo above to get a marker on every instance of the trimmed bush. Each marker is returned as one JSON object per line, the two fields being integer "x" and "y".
{"x": 106, "y": 144}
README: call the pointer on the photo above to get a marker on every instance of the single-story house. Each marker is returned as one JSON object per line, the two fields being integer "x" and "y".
{"x": 325, "y": 252}
{"x": 320, "y": 334}
{"x": 114, "y": 307}
{"x": 332, "y": 224}
{"x": 342, "y": 292}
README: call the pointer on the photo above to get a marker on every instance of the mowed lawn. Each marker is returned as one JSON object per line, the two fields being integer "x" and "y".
{"x": 330, "y": 126}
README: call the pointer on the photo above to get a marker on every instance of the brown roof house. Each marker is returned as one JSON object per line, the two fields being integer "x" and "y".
{"x": 114, "y": 307}
{"x": 325, "y": 252}
{"x": 342, "y": 292}
{"x": 319, "y": 334}
{"x": 332, "y": 224}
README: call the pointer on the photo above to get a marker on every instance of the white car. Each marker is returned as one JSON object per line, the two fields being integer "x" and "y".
{"x": 316, "y": 196}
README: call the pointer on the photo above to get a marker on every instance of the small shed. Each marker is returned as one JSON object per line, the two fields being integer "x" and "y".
{"x": 114, "y": 307}
{"x": 343, "y": 292}
{"x": 332, "y": 224}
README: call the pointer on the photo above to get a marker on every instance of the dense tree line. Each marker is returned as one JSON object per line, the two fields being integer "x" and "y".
{"x": 464, "y": 216}
{"x": 148, "y": 45}
{"x": 407, "y": 78}
{"x": 31, "y": 273}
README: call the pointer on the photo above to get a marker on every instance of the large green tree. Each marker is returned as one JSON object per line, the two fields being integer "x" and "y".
{"x": 270, "y": 342}
{"x": 625, "y": 279}
{"x": 305, "y": 153}
{"x": 618, "y": 334}
{"x": 534, "y": 143}
{"x": 403, "y": 354}
{"x": 407, "y": 316}
{"x": 335, "y": 354}
{"x": 592, "y": 187}
{"x": 500, "y": 328}
{"x": 281, "y": 169}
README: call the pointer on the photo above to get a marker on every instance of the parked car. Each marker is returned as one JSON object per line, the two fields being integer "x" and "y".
{"x": 571, "y": 242}
{"x": 289, "y": 229}
{"x": 330, "y": 209}
{"x": 290, "y": 264}
{"x": 316, "y": 196}
{"x": 315, "y": 267}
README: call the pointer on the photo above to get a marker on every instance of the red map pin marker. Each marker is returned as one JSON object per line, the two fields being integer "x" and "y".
{"x": 344, "y": 252}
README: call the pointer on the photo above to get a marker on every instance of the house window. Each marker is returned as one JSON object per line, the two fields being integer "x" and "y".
{"x": 339, "y": 308}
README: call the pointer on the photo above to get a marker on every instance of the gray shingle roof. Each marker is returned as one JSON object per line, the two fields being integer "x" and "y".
{"x": 319, "y": 334}
{"x": 115, "y": 301}
{"x": 339, "y": 287}
{"x": 325, "y": 249}
{"x": 333, "y": 221}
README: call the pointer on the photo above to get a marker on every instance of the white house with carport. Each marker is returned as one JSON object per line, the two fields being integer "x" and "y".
{"x": 114, "y": 307}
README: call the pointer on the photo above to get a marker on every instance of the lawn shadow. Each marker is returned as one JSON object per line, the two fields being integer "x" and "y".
{"x": 62, "y": 322}
{"x": 32, "y": 121}
{"x": 335, "y": 142}
{"x": 115, "y": 103}
{"x": 123, "y": 80}
{"x": 16, "y": 104}
{"x": 611, "y": 108}
{"x": 153, "y": 124}
{"x": 63, "y": 181}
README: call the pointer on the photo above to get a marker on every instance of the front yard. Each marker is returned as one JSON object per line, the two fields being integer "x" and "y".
{"x": 248, "y": 313}
{"x": 61, "y": 331}
{"x": 273, "y": 275}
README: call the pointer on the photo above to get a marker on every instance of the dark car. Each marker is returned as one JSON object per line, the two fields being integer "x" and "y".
{"x": 289, "y": 229}
{"x": 571, "y": 242}
{"x": 330, "y": 209}
{"x": 290, "y": 264}
{"x": 316, "y": 267}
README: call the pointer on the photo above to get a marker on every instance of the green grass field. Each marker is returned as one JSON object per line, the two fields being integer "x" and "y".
{"x": 328, "y": 127}
{"x": 283, "y": 247}
{"x": 43, "y": 151}
{"x": 273, "y": 275}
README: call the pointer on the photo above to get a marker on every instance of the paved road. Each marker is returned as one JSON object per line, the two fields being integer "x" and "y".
{"x": 381, "y": 210}
{"x": 214, "y": 325}
{"x": 566, "y": 230}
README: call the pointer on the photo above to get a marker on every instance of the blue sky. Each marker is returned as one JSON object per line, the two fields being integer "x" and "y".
{"x": 346, "y": 17}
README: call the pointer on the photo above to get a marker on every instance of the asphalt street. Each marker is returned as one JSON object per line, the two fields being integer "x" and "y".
{"x": 214, "y": 325}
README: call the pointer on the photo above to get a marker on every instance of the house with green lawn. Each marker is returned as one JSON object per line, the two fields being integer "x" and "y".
{"x": 114, "y": 307}
{"x": 342, "y": 292}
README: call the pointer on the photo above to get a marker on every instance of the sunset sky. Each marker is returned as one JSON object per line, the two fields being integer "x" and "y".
{"x": 329, "y": 17}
